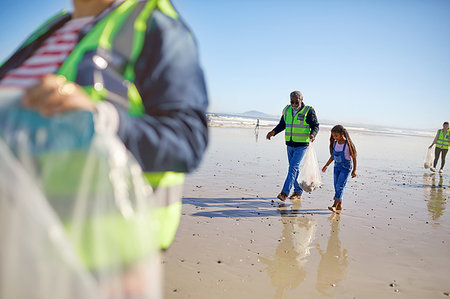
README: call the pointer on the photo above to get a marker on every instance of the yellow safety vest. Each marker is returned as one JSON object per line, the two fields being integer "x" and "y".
{"x": 297, "y": 129}
{"x": 443, "y": 141}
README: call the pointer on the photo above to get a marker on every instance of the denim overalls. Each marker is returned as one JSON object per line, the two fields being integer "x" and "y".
{"x": 342, "y": 169}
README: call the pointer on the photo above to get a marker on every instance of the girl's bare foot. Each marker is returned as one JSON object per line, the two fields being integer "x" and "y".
{"x": 332, "y": 209}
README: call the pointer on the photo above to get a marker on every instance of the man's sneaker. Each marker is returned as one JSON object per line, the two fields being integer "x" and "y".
{"x": 441, "y": 171}
{"x": 282, "y": 196}
{"x": 295, "y": 196}
{"x": 432, "y": 169}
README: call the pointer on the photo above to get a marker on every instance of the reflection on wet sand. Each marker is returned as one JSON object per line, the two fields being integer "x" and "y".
{"x": 333, "y": 262}
{"x": 286, "y": 268}
{"x": 256, "y": 133}
{"x": 434, "y": 195}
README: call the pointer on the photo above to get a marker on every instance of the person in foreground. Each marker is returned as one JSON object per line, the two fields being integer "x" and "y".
{"x": 134, "y": 65}
{"x": 442, "y": 141}
{"x": 343, "y": 152}
{"x": 301, "y": 127}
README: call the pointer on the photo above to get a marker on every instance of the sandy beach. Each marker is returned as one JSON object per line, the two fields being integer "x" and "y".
{"x": 236, "y": 240}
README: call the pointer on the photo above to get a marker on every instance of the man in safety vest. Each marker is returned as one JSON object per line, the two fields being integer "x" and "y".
{"x": 134, "y": 65}
{"x": 442, "y": 141}
{"x": 301, "y": 126}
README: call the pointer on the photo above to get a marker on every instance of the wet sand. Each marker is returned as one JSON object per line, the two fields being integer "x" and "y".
{"x": 235, "y": 240}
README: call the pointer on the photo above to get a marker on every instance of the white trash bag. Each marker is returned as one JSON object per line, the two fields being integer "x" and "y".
{"x": 76, "y": 219}
{"x": 429, "y": 158}
{"x": 309, "y": 178}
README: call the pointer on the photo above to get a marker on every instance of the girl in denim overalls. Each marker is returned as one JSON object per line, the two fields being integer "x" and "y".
{"x": 343, "y": 152}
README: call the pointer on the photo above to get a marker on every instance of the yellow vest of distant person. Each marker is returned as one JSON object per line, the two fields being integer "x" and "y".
{"x": 297, "y": 129}
{"x": 443, "y": 141}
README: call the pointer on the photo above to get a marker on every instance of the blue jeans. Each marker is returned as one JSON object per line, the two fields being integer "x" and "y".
{"x": 295, "y": 156}
{"x": 341, "y": 174}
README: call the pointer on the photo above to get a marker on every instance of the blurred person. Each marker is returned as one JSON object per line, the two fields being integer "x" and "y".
{"x": 135, "y": 66}
{"x": 301, "y": 126}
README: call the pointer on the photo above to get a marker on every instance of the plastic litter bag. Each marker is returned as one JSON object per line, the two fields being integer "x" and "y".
{"x": 75, "y": 213}
{"x": 309, "y": 178}
{"x": 429, "y": 158}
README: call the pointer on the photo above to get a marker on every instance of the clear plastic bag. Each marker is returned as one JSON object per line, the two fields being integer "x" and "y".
{"x": 429, "y": 158}
{"x": 310, "y": 178}
{"x": 75, "y": 213}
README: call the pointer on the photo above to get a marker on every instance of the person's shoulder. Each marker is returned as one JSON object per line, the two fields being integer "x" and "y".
{"x": 310, "y": 109}
{"x": 170, "y": 36}
{"x": 165, "y": 23}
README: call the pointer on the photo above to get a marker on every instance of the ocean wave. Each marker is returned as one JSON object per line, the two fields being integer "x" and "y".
{"x": 238, "y": 121}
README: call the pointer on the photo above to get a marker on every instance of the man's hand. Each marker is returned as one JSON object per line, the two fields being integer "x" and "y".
{"x": 270, "y": 134}
{"x": 54, "y": 95}
{"x": 312, "y": 138}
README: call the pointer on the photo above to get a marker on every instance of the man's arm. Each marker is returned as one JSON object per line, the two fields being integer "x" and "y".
{"x": 281, "y": 126}
{"x": 311, "y": 120}
{"x": 435, "y": 139}
{"x": 173, "y": 134}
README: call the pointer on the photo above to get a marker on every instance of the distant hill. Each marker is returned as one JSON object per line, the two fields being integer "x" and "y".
{"x": 255, "y": 113}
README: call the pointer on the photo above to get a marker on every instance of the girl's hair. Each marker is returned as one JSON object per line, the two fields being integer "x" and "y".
{"x": 341, "y": 130}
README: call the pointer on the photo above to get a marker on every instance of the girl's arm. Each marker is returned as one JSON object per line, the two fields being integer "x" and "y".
{"x": 328, "y": 163}
{"x": 354, "y": 166}
{"x": 435, "y": 139}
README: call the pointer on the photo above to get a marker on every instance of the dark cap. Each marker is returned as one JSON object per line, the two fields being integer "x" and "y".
{"x": 296, "y": 94}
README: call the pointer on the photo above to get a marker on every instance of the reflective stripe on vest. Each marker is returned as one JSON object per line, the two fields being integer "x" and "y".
{"x": 167, "y": 192}
{"x": 297, "y": 129}
{"x": 123, "y": 31}
{"x": 443, "y": 142}
{"x": 101, "y": 39}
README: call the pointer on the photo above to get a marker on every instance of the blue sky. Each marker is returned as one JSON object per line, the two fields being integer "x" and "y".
{"x": 375, "y": 62}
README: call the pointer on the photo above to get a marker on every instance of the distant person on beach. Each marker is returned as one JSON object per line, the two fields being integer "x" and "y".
{"x": 301, "y": 126}
{"x": 257, "y": 124}
{"x": 343, "y": 152}
{"x": 442, "y": 141}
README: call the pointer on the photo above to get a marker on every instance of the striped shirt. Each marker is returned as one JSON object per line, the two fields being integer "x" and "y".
{"x": 48, "y": 57}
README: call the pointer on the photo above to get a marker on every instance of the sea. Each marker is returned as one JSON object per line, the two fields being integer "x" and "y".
{"x": 244, "y": 121}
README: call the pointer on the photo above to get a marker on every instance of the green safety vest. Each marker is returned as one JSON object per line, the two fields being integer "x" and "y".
{"x": 122, "y": 31}
{"x": 297, "y": 129}
{"x": 443, "y": 141}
